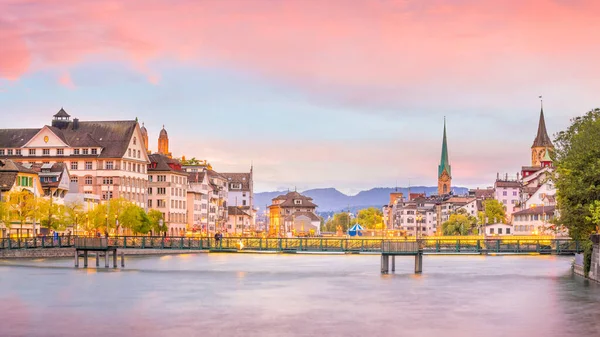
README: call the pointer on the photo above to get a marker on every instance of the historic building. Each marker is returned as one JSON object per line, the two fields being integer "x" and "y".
{"x": 293, "y": 213}
{"x": 105, "y": 158}
{"x": 163, "y": 143}
{"x": 15, "y": 177}
{"x": 239, "y": 219}
{"x": 541, "y": 144}
{"x": 54, "y": 178}
{"x": 198, "y": 190}
{"x": 508, "y": 192}
{"x": 241, "y": 193}
{"x": 167, "y": 192}
{"x": 444, "y": 169}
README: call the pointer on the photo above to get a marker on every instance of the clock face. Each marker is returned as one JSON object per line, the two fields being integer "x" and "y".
{"x": 46, "y": 139}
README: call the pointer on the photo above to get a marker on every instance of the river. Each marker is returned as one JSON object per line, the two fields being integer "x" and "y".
{"x": 298, "y": 295}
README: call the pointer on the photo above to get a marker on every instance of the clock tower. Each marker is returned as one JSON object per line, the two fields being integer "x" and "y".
{"x": 444, "y": 169}
{"x": 541, "y": 143}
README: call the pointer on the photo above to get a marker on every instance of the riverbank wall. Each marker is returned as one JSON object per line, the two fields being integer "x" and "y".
{"x": 70, "y": 252}
{"x": 595, "y": 264}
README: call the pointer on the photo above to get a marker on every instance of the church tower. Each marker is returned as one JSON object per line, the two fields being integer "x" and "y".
{"x": 163, "y": 143}
{"x": 444, "y": 169}
{"x": 145, "y": 137}
{"x": 541, "y": 143}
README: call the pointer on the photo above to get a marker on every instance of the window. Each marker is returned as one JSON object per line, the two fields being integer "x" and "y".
{"x": 60, "y": 152}
{"x": 504, "y": 201}
{"x": 46, "y": 152}
{"x": 32, "y": 152}
{"x": 1, "y": 152}
{"x": 107, "y": 180}
{"x": 88, "y": 165}
{"x": 491, "y": 231}
{"x": 508, "y": 231}
{"x": 134, "y": 140}
{"x": 161, "y": 190}
{"x": 161, "y": 178}
{"x": 94, "y": 151}
{"x": 139, "y": 154}
{"x": 150, "y": 178}
{"x": 297, "y": 202}
{"x": 499, "y": 230}
{"x": 504, "y": 193}
{"x": 129, "y": 152}
{"x": 160, "y": 203}
{"x": 149, "y": 190}
{"x": 85, "y": 151}
{"x": 514, "y": 193}
{"x": 235, "y": 186}
{"x": 75, "y": 151}
{"x": 74, "y": 180}
{"x": 243, "y": 202}
{"x": 74, "y": 165}
{"x": 109, "y": 165}
{"x": 150, "y": 203}
{"x": 88, "y": 180}
{"x": 17, "y": 152}
{"x": 10, "y": 152}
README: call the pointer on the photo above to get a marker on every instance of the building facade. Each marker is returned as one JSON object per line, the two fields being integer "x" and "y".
{"x": 293, "y": 213}
{"x": 105, "y": 158}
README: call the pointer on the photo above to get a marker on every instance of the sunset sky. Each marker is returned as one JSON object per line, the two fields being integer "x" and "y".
{"x": 346, "y": 94}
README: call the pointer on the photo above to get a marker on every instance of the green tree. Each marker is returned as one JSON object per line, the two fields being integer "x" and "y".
{"x": 459, "y": 223}
{"x": 21, "y": 206}
{"x": 116, "y": 208}
{"x": 340, "y": 220}
{"x": 577, "y": 175}
{"x": 4, "y": 214}
{"x": 371, "y": 218}
{"x": 75, "y": 215}
{"x": 50, "y": 214}
{"x": 493, "y": 212}
{"x": 154, "y": 216}
{"x": 135, "y": 218}
{"x": 96, "y": 219}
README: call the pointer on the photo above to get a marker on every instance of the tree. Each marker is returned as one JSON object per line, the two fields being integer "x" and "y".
{"x": 459, "y": 223}
{"x": 154, "y": 216}
{"x": 371, "y": 218}
{"x": 50, "y": 214}
{"x": 96, "y": 219}
{"x": 116, "y": 208}
{"x": 577, "y": 174}
{"x": 4, "y": 214}
{"x": 493, "y": 212}
{"x": 74, "y": 214}
{"x": 21, "y": 206}
{"x": 340, "y": 220}
{"x": 135, "y": 218}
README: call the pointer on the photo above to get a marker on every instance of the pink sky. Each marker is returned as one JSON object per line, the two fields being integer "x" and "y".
{"x": 386, "y": 58}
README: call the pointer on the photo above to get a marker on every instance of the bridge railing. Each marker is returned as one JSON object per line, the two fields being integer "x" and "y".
{"x": 91, "y": 243}
{"x": 311, "y": 244}
{"x": 400, "y": 247}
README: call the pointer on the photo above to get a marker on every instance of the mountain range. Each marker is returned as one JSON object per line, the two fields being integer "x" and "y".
{"x": 332, "y": 200}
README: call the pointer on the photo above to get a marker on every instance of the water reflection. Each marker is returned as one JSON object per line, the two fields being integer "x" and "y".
{"x": 296, "y": 295}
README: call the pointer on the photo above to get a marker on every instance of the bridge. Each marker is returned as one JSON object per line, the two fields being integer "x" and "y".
{"x": 387, "y": 248}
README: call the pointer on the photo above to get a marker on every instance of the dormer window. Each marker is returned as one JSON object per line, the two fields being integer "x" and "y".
{"x": 235, "y": 186}
{"x": 297, "y": 202}
{"x": 75, "y": 151}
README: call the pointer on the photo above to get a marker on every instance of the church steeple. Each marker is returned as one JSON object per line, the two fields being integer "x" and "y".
{"x": 163, "y": 143}
{"x": 444, "y": 169}
{"x": 542, "y": 142}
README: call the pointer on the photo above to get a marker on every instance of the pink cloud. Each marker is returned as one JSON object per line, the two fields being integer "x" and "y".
{"x": 65, "y": 80}
{"x": 318, "y": 45}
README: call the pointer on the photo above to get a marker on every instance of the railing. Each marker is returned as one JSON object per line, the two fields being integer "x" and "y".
{"x": 347, "y": 245}
{"x": 91, "y": 243}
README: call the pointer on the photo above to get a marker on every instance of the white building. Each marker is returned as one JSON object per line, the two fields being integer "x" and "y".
{"x": 105, "y": 158}
{"x": 498, "y": 229}
{"x": 508, "y": 193}
{"x": 241, "y": 193}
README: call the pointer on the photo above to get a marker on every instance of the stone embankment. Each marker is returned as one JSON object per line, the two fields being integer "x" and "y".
{"x": 595, "y": 265}
{"x": 70, "y": 252}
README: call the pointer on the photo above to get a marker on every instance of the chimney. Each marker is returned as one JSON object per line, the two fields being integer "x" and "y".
{"x": 75, "y": 123}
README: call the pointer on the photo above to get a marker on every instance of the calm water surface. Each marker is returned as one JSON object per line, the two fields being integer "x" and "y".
{"x": 298, "y": 295}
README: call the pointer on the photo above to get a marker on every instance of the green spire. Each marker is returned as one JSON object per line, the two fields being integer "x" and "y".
{"x": 444, "y": 163}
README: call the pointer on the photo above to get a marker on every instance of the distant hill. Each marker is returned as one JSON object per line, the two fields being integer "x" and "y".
{"x": 332, "y": 200}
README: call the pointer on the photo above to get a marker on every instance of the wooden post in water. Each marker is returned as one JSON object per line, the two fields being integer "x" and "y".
{"x": 419, "y": 263}
{"x": 115, "y": 258}
{"x": 122, "y": 259}
{"x": 85, "y": 258}
{"x": 76, "y": 258}
{"x": 97, "y": 259}
{"x": 393, "y": 263}
{"x": 385, "y": 264}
